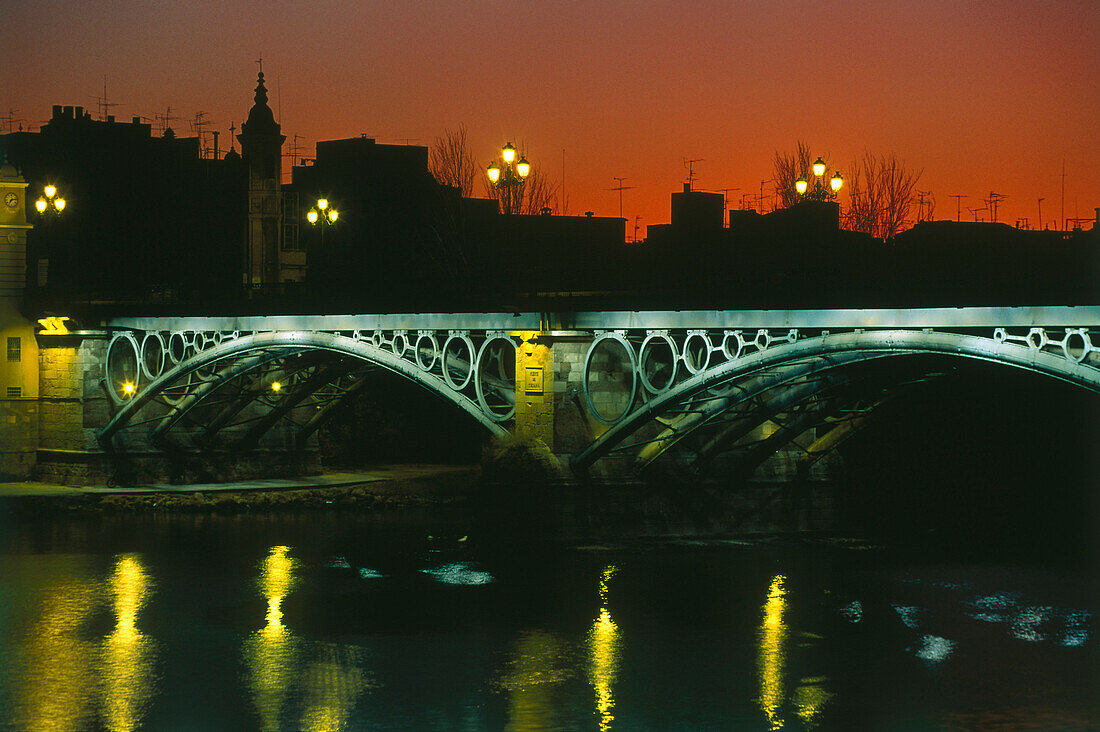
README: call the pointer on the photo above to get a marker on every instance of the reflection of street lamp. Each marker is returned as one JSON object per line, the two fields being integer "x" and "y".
{"x": 51, "y": 203}
{"x": 820, "y": 192}
{"x": 322, "y": 215}
{"x": 513, "y": 177}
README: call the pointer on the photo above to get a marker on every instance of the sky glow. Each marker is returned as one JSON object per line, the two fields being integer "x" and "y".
{"x": 983, "y": 96}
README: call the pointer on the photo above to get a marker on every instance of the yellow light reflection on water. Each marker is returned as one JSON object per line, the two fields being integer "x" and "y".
{"x": 539, "y": 662}
{"x": 333, "y": 682}
{"x": 56, "y": 666}
{"x": 127, "y": 655}
{"x": 603, "y": 650}
{"x": 772, "y": 656}
{"x": 271, "y": 653}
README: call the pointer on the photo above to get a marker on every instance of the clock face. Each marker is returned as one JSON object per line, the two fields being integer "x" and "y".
{"x": 11, "y": 200}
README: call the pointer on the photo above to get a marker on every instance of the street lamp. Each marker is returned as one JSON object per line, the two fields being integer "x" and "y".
{"x": 510, "y": 178}
{"x": 820, "y": 192}
{"x": 51, "y": 202}
{"x": 322, "y": 215}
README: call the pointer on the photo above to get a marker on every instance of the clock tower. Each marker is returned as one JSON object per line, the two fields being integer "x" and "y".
{"x": 13, "y": 234}
{"x": 261, "y": 147}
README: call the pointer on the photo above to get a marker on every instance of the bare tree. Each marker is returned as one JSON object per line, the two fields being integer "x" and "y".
{"x": 881, "y": 192}
{"x": 786, "y": 169}
{"x": 451, "y": 162}
{"x": 529, "y": 195}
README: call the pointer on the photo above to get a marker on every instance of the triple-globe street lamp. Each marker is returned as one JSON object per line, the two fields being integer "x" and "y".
{"x": 323, "y": 215}
{"x": 820, "y": 192}
{"x": 510, "y": 178}
{"x": 50, "y": 202}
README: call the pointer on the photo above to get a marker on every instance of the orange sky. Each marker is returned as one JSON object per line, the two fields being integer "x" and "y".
{"x": 984, "y": 96}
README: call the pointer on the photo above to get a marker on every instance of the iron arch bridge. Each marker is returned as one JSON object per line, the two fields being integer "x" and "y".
{"x": 695, "y": 384}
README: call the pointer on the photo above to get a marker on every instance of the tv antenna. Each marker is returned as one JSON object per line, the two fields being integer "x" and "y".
{"x": 10, "y": 119}
{"x": 620, "y": 188}
{"x": 975, "y": 211}
{"x": 993, "y": 202}
{"x": 103, "y": 104}
{"x": 725, "y": 197}
{"x": 690, "y": 165}
{"x": 166, "y": 118}
{"x": 1063, "y": 216}
{"x": 1040, "y": 227}
{"x": 958, "y": 203}
{"x": 920, "y": 203}
{"x": 198, "y": 126}
{"x": 293, "y": 149}
{"x": 636, "y": 220}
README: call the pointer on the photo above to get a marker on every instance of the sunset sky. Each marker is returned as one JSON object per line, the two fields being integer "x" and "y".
{"x": 983, "y": 96}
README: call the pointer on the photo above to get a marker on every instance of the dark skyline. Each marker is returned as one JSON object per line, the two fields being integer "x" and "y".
{"x": 982, "y": 97}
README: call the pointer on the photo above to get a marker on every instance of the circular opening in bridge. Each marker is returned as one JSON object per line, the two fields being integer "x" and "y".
{"x": 657, "y": 362}
{"x": 426, "y": 343}
{"x": 610, "y": 378}
{"x": 696, "y": 352}
{"x": 152, "y": 355}
{"x": 123, "y": 363}
{"x": 1036, "y": 338}
{"x": 458, "y": 359}
{"x": 177, "y": 347}
{"x": 399, "y": 345}
{"x": 496, "y": 377}
{"x": 732, "y": 344}
{"x": 1077, "y": 346}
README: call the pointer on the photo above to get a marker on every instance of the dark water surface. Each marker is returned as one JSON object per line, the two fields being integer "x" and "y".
{"x": 319, "y": 621}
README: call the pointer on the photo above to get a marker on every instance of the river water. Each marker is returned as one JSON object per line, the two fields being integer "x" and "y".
{"x": 315, "y": 620}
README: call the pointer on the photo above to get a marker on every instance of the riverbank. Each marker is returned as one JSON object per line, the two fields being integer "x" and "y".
{"x": 384, "y": 485}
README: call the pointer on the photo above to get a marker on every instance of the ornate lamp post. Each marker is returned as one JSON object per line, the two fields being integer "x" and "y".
{"x": 510, "y": 178}
{"x": 820, "y": 192}
{"x": 50, "y": 203}
{"x": 322, "y": 215}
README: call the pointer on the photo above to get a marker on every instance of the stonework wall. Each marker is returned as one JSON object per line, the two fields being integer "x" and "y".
{"x": 535, "y": 390}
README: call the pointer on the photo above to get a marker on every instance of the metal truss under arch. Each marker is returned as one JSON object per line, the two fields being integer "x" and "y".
{"x": 317, "y": 357}
{"x": 703, "y": 397}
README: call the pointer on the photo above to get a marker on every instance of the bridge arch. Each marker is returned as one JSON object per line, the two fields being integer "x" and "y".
{"x": 229, "y": 358}
{"x": 751, "y": 376}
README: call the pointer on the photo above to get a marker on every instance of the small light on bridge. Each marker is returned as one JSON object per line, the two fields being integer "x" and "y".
{"x": 40, "y": 204}
{"x": 59, "y": 204}
{"x": 128, "y": 388}
{"x": 800, "y": 185}
{"x": 312, "y": 216}
{"x": 836, "y": 181}
{"x": 276, "y": 386}
{"x": 333, "y": 215}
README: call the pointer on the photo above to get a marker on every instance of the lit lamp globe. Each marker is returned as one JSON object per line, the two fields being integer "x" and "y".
{"x": 59, "y": 204}
{"x": 40, "y": 204}
{"x": 333, "y": 214}
{"x": 819, "y": 167}
{"x": 508, "y": 153}
{"x": 523, "y": 167}
{"x": 312, "y": 216}
{"x": 50, "y": 191}
{"x": 493, "y": 172}
{"x": 836, "y": 182}
{"x": 800, "y": 185}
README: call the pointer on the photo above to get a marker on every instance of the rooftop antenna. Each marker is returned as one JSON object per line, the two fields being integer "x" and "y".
{"x": 1041, "y": 213}
{"x": 975, "y": 211}
{"x": 198, "y": 126}
{"x": 293, "y": 149}
{"x": 103, "y": 104}
{"x": 690, "y": 165}
{"x": 725, "y": 200}
{"x": 10, "y": 119}
{"x": 636, "y": 220}
{"x": 1063, "y": 216}
{"x": 762, "y": 193}
{"x": 958, "y": 204}
{"x": 564, "y": 198}
{"x": 920, "y": 204}
{"x": 165, "y": 118}
{"x": 993, "y": 202}
{"x": 620, "y": 188}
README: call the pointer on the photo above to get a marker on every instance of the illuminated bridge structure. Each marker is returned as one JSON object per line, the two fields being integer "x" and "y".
{"x": 606, "y": 391}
